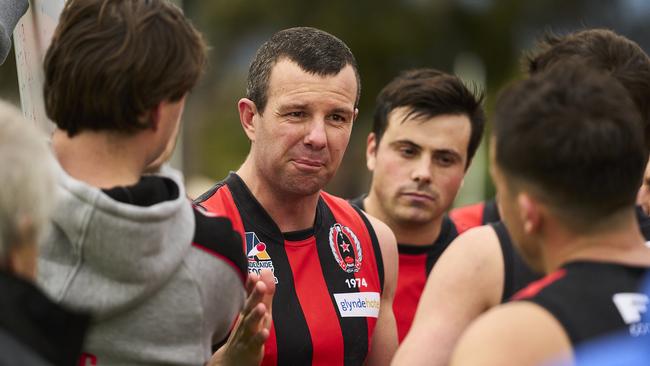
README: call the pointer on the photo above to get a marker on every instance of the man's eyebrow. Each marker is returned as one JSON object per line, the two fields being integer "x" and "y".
{"x": 292, "y": 106}
{"x": 342, "y": 111}
{"x": 406, "y": 142}
{"x": 446, "y": 151}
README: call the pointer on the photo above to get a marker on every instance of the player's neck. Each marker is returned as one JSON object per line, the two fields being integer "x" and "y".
{"x": 405, "y": 233}
{"x": 289, "y": 212}
{"x": 99, "y": 159}
{"x": 615, "y": 240}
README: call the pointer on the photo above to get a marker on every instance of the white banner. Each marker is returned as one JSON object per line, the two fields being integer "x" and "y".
{"x": 32, "y": 37}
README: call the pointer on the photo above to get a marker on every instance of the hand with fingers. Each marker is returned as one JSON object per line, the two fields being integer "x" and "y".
{"x": 245, "y": 345}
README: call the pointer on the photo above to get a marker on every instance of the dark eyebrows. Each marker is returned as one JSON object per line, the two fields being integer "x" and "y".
{"x": 292, "y": 106}
{"x": 409, "y": 143}
{"x": 453, "y": 153}
{"x": 437, "y": 152}
{"x": 303, "y": 107}
{"x": 344, "y": 111}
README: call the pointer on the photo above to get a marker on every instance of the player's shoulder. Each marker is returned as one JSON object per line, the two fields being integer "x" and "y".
{"x": 516, "y": 333}
{"x": 471, "y": 267}
{"x": 209, "y": 195}
{"x": 477, "y": 241}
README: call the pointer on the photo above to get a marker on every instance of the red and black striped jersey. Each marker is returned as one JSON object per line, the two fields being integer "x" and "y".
{"x": 591, "y": 299}
{"x": 415, "y": 263}
{"x": 478, "y": 214}
{"x": 329, "y": 279}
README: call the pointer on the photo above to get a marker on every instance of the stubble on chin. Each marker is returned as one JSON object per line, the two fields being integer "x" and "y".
{"x": 301, "y": 185}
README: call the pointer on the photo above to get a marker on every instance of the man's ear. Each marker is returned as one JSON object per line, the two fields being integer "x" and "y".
{"x": 247, "y": 111}
{"x": 371, "y": 151}
{"x": 530, "y": 213}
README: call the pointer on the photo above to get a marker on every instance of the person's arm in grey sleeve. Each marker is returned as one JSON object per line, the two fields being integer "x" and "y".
{"x": 10, "y": 13}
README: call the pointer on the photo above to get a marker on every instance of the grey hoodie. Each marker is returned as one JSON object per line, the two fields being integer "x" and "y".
{"x": 155, "y": 297}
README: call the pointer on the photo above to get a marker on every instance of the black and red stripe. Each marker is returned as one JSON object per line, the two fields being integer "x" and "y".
{"x": 215, "y": 235}
{"x": 474, "y": 215}
{"x": 307, "y": 325}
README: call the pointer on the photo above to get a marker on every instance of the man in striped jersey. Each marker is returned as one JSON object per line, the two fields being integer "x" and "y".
{"x": 335, "y": 268}
{"x": 427, "y": 127}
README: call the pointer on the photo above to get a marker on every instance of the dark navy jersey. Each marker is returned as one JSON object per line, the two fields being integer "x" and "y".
{"x": 517, "y": 274}
{"x": 415, "y": 263}
{"x": 329, "y": 278}
{"x": 478, "y": 214}
{"x": 591, "y": 299}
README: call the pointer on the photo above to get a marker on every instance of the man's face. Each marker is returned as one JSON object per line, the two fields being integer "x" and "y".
{"x": 299, "y": 139}
{"x": 418, "y": 165}
{"x": 511, "y": 213}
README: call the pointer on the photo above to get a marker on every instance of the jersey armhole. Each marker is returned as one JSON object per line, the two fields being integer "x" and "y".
{"x": 375, "y": 245}
{"x": 490, "y": 212}
{"x": 506, "y": 251}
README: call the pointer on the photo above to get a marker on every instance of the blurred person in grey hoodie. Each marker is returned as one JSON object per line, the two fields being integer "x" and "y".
{"x": 34, "y": 331}
{"x": 162, "y": 280}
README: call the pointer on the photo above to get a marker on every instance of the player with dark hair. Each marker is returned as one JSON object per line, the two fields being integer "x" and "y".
{"x": 598, "y": 48}
{"x": 569, "y": 205}
{"x": 427, "y": 127}
{"x": 481, "y": 269}
{"x": 335, "y": 267}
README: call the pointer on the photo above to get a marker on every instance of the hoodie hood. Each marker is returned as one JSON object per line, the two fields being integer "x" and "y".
{"x": 122, "y": 251}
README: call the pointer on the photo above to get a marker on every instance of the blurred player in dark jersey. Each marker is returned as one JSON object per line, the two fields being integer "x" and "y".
{"x": 569, "y": 205}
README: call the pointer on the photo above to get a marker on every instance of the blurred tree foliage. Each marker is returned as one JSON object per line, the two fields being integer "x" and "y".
{"x": 386, "y": 36}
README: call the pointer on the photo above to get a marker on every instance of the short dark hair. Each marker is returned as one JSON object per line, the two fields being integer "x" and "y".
{"x": 430, "y": 93}
{"x": 602, "y": 50}
{"x": 314, "y": 50}
{"x": 112, "y": 60}
{"x": 573, "y": 134}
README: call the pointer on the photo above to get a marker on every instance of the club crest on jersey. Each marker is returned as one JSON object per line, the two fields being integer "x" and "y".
{"x": 258, "y": 257}
{"x": 345, "y": 248}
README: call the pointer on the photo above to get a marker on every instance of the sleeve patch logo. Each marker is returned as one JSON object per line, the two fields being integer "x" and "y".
{"x": 358, "y": 304}
{"x": 345, "y": 248}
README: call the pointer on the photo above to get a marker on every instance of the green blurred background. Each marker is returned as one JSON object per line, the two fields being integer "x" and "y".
{"x": 480, "y": 40}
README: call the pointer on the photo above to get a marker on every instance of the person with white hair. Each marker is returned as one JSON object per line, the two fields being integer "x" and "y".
{"x": 33, "y": 330}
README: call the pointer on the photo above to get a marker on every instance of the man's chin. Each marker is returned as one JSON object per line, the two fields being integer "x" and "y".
{"x": 416, "y": 218}
{"x": 304, "y": 186}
